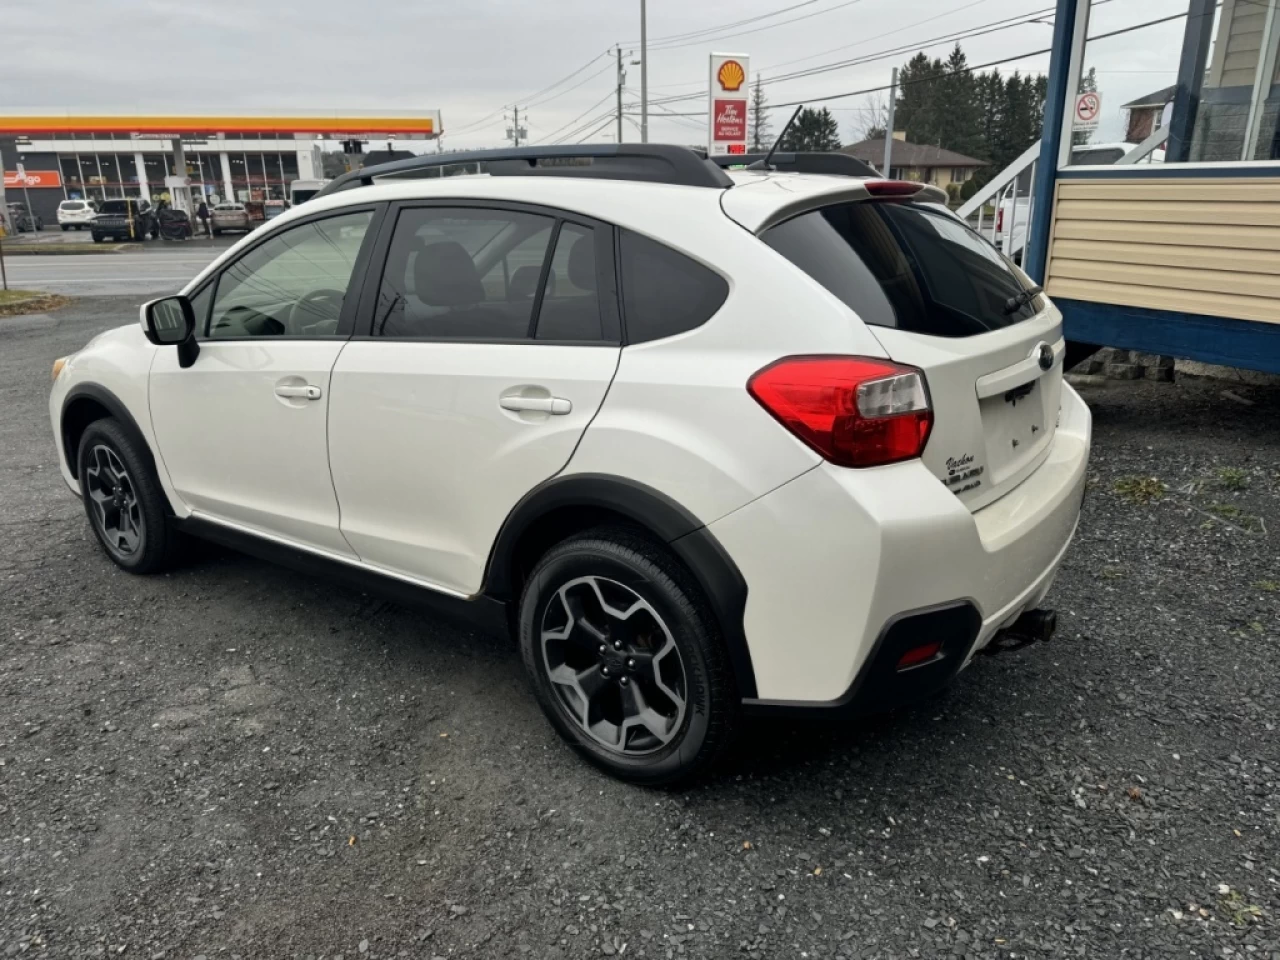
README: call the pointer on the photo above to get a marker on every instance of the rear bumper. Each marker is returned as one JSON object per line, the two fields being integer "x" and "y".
{"x": 838, "y": 560}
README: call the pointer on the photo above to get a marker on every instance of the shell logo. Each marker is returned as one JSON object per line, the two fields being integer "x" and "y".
{"x": 730, "y": 75}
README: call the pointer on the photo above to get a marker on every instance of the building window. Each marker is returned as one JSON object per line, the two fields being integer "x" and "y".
{"x": 1172, "y": 111}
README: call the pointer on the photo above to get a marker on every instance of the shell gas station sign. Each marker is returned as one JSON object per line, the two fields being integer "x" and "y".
{"x": 727, "y": 123}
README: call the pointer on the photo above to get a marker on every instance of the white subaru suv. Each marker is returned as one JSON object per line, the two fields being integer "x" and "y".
{"x": 707, "y": 442}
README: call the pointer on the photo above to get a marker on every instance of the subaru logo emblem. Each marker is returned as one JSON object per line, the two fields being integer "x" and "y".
{"x": 1044, "y": 355}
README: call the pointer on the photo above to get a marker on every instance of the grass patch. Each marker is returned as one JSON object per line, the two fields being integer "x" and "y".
{"x": 1140, "y": 489}
{"x": 1230, "y": 514}
{"x": 57, "y": 249}
{"x": 1233, "y": 478}
{"x": 14, "y": 303}
{"x": 1228, "y": 510}
{"x": 1266, "y": 586}
{"x": 9, "y": 297}
{"x": 1113, "y": 573}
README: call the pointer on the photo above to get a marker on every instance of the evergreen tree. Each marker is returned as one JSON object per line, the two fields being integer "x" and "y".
{"x": 814, "y": 130}
{"x": 761, "y": 138}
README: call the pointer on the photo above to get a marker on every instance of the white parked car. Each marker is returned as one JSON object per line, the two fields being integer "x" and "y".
{"x": 76, "y": 214}
{"x": 709, "y": 443}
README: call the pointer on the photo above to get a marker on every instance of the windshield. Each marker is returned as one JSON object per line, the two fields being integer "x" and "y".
{"x": 115, "y": 206}
{"x": 906, "y": 265}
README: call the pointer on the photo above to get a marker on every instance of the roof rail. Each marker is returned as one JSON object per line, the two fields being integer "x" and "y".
{"x": 832, "y": 164}
{"x": 648, "y": 162}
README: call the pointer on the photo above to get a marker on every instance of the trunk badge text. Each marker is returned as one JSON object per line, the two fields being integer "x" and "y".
{"x": 962, "y": 470}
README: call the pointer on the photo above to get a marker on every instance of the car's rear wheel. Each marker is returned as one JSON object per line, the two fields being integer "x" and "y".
{"x": 626, "y": 658}
{"x": 65, "y": 228}
{"x": 97, "y": 237}
{"x": 123, "y": 500}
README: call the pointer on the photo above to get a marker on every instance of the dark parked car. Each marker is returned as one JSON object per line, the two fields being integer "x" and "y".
{"x": 20, "y": 221}
{"x": 128, "y": 219}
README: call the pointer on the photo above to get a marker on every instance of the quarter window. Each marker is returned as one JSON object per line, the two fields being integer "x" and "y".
{"x": 665, "y": 292}
{"x": 293, "y": 284}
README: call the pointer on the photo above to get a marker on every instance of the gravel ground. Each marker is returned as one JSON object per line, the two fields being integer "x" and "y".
{"x": 238, "y": 761}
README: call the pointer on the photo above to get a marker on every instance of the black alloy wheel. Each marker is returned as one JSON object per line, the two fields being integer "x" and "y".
{"x": 116, "y": 513}
{"x": 614, "y": 665}
{"x": 123, "y": 499}
{"x": 626, "y": 658}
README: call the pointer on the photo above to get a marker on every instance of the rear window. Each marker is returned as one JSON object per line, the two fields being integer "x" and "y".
{"x": 905, "y": 265}
{"x": 228, "y": 207}
{"x": 71, "y": 205}
{"x": 665, "y": 292}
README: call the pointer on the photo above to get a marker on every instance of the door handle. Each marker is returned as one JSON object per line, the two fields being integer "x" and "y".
{"x": 305, "y": 392}
{"x": 556, "y": 406}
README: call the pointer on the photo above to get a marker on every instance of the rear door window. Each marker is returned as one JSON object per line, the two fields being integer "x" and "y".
{"x": 665, "y": 292}
{"x": 907, "y": 266}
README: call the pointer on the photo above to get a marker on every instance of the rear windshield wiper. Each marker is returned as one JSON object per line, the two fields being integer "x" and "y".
{"x": 1019, "y": 300}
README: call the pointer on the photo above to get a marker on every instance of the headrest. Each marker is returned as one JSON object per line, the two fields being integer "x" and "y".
{"x": 445, "y": 276}
{"x": 582, "y": 263}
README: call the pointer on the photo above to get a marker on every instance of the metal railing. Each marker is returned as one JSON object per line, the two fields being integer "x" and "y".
{"x": 1003, "y": 187}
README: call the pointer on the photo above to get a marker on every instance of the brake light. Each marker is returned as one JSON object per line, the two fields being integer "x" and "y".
{"x": 1000, "y": 220}
{"x": 892, "y": 188}
{"x": 854, "y": 411}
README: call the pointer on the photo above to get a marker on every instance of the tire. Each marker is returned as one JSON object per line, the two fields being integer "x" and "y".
{"x": 97, "y": 237}
{"x": 666, "y": 658}
{"x": 65, "y": 228}
{"x": 217, "y": 232}
{"x": 123, "y": 500}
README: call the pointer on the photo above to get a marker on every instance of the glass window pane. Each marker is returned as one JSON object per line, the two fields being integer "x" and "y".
{"x": 1232, "y": 113}
{"x": 461, "y": 274}
{"x": 571, "y": 303}
{"x": 905, "y": 265}
{"x": 293, "y": 284}
{"x": 665, "y": 292}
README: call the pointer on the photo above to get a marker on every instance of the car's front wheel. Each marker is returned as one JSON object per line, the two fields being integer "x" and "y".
{"x": 626, "y": 658}
{"x": 125, "y": 504}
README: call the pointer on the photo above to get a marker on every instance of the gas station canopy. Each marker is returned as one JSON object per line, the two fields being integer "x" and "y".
{"x": 354, "y": 124}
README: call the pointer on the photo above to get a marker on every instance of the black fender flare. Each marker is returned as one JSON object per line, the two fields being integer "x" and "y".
{"x": 117, "y": 409}
{"x": 711, "y": 566}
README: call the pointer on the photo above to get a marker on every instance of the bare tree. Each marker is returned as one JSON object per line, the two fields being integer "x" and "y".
{"x": 760, "y": 132}
{"x": 872, "y": 117}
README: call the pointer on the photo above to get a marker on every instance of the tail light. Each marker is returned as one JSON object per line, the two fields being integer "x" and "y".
{"x": 854, "y": 411}
{"x": 893, "y": 188}
{"x": 1000, "y": 220}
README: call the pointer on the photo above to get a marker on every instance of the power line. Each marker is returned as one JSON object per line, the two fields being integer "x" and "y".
{"x": 919, "y": 45}
{"x": 532, "y": 96}
{"x": 975, "y": 67}
{"x": 727, "y": 26}
{"x": 578, "y": 117}
{"x": 743, "y": 33}
{"x": 608, "y": 120}
{"x": 554, "y": 96}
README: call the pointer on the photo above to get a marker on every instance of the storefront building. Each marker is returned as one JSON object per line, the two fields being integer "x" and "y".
{"x": 249, "y": 157}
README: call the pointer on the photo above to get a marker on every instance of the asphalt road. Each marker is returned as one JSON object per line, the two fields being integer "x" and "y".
{"x": 234, "y": 760}
{"x": 151, "y": 269}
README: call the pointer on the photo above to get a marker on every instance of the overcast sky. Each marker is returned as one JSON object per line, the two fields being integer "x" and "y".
{"x": 471, "y": 58}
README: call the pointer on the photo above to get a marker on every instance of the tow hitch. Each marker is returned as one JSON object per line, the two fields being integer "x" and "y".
{"x": 1034, "y": 626}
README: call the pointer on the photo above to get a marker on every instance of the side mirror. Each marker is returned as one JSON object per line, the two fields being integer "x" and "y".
{"x": 170, "y": 322}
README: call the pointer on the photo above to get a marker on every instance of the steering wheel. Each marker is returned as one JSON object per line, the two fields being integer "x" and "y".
{"x": 316, "y": 312}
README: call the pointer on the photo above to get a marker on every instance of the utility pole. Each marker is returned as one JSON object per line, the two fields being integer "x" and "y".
{"x": 622, "y": 76}
{"x": 888, "y": 125}
{"x": 515, "y": 132}
{"x": 644, "y": 75}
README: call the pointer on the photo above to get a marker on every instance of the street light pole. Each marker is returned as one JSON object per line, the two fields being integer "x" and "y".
{"x": 621, "y": 77}
{"x": 888, "y": 127}
{"x": 644, "y": 75}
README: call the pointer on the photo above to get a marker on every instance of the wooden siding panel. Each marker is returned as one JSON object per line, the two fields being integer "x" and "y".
{"x": 1142, "y": 275}
{"x": 1207, "y": 246}
{"x": 1258, "y": 190}
{"x": 1171, "y": 255}
{"x": 1224, "y": 237}
{"x": 1199, "y": 212}
{"x": 1208, "y": 304}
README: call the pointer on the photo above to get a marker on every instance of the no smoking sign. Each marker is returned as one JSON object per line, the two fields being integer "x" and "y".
{"x": 1088, "y": 107}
